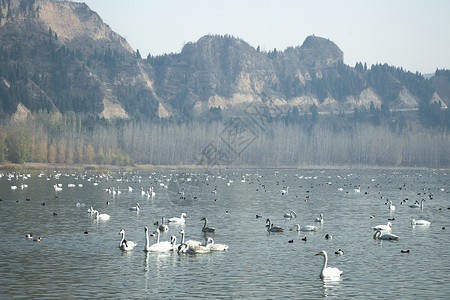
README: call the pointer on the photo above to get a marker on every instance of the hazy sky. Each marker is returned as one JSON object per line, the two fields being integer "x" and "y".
{"x": 411, "y": 34}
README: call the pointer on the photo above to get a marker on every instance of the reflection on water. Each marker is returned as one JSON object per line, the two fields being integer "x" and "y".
{"x": 331, "y": 286}
{"x": 79, "y": 256}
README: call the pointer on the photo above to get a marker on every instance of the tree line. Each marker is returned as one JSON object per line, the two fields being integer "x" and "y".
{"x": 52, "y": 138}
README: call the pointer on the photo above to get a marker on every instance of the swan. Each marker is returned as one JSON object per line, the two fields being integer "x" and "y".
{"x": 387, "y": 227}
{"x": 292, "y": 215}
{"x": 190, "y": 243}
{"x": 206, "y": 228}
{"x": 284, "y": 192}
{"x": 147, "y": 247}
{"x": 178, "y": 220}
{"x": 305, "y": 228}
{"x": 385, "y": 236}
{"x": 215, "y": 247}
{"x": 160, "y": 246}
{"x": 319, "y": 218}
{"x": 197, "y": 249}
{"x": 417, "y": 204}
{"x": 125, "y": 245}
{"x": 135, "y": 208}
{"x": 130, "y": 189}
{"x": 163, "y": 227}
{"x": 391, "y": 206}
{"x": 328, "y": 271}
{"x": 272, "y": 228}
{"x": 98, "y": 216}
{"x": 420, "y": 222}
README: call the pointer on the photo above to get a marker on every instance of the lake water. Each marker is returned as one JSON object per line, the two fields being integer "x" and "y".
{"x": 70, "y": 264}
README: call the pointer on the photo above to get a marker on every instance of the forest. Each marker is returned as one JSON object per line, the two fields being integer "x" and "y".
{"x": 359, "y": 139}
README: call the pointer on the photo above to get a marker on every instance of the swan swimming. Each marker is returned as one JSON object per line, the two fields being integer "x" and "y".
{"x": 160, "y": 246}
{"x": 190, "y": 243}
{"x": 417, "y": 204}
{"x": 385, "y": 236}
{"x": 387, "y": 227}
{"x": 163, "y": 227}
{"x": 135, "y": 208}
{"x": 391, "y": 206}
{"x": 328, "y": 271}
{"x": 292, "y": 215}
{"x": 305, "y": 228}
{"x": 98, "y": 216}
{"x": 205, "y": 226}
{"x": 420, "y": 222}
{"x": 272, "y": 228}
{"x": 125, "y": 245}
{"x": 215, "y": 247}
{"x": 319, "y": 219}
{"x": 178, "y": 220}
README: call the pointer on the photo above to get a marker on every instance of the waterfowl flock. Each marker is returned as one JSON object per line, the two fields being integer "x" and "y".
{"x": 301, "y": 197}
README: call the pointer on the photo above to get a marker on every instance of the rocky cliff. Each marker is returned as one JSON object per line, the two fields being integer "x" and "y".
{"x": 61, "y": 56}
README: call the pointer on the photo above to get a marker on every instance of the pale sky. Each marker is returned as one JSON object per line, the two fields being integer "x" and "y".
{"x": 411, "y": 34}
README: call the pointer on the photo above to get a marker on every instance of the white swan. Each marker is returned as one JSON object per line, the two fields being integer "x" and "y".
{"x": 272, "y": 228}
{"x": 319, "y": 219}
{"x": 305, "y": 228}
{"x": 135, "y": 208}
{"x": 387, "y": 227}
{"x": 147, "y": 242}
{"x": 284, "y": 192}
{"x": 328, "y": 271}
{"x": 125, "y": 245}
{"x": 163, "y": 227}
{"x": 160, "y": 246}
{"x": 292, "y": 215}
{"x": 391, "y": 206}
{"x": 178, "y": 220}
{"x": 205, "y": 226}
{"x": 98, "y": 216}
{"x": 215, "y": 247}
{"x": 417, "y": 204}
{"x": 190, "y": 243}
{"x": 385, "y": 236}
{"x": 420, "y": 222}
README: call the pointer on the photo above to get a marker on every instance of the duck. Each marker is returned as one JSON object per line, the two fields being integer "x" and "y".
{"x": 135, "y": 208}
{"x": 125, "y": 245}
{"x": 326, "y": 271}
{"x": 305, "y": 228}
{"x": 39, "y": 239}
{"x": 29, "y": 235}
{"x": 387, "y": 227}
{"x": 319, "y": 219}
{"x": 205, "y": 226}
{"x": 272, "y": 228}
{"x": 291, "y": 215}
{"x": 385, "y": 236}
{"x": 339, "y": 252}
{"x": 420, "y": 222}
{"x": 328, "y": 236}
{"x": 215, "y": 247}
{"x": 178, "y": 220}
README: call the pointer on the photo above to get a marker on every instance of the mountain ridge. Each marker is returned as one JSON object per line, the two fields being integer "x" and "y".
{"x": 60, "y": 57}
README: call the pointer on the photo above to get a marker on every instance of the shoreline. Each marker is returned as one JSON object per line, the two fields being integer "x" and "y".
{"x": 108, "y": 168}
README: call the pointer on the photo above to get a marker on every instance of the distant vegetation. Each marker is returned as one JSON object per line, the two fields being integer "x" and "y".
{"x": 358, "y": 139}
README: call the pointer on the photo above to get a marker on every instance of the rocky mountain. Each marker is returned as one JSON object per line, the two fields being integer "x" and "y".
{"x": 60, "y": 56}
